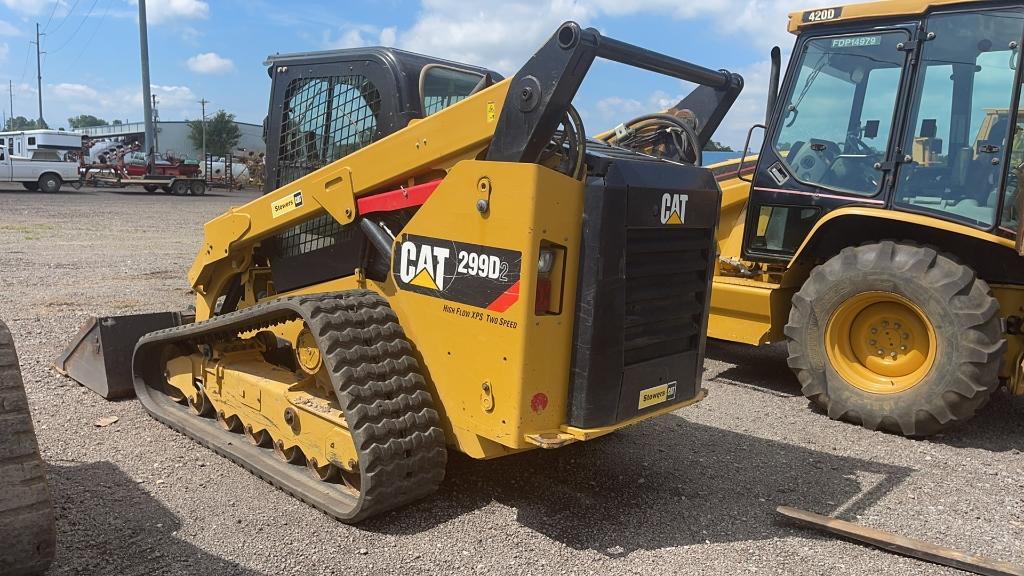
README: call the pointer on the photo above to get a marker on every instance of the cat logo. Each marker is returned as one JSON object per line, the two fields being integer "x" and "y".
{"x": 673, "y": 208}
{"x": 423, "y": 265}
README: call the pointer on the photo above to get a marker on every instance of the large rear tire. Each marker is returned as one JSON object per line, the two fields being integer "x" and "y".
{"x": 27, "y": 533}
{"x": 896, "y": 337}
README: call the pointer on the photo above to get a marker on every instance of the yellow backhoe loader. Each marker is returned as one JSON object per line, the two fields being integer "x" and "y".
{"x": 442, "y": 261}
{"x": 877, "y": 232}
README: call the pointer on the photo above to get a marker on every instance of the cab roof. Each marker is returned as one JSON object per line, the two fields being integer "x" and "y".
{"x": 804, "y": 19}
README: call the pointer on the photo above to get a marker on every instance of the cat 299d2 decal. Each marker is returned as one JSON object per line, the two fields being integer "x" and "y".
{"x": 481, "y": 276}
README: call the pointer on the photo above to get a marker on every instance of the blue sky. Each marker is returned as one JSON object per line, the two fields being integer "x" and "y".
{"x": 214, "y": 49}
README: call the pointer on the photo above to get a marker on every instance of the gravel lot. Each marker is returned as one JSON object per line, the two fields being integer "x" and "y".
{"x": 688, "y": 493}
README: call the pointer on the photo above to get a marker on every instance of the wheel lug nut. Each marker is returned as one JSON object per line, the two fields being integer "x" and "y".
{"x": 903, "y": 348}
{"x": 874, "y": 330}
{"x": 885, "y": 323}
{"x": 896, "y": 325}
{"x": 872, "y": 342}
{"x": 906, "y": 336}
{"x": 881, "y": 352}
{"x": 893, "y": 355}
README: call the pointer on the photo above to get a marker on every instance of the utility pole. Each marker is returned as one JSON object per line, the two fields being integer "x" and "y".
{"x": 39, "y": 77}
{"x": 203, "y": 103}
{"x": 10, "y": 86}
{"x": 146, "y": 97}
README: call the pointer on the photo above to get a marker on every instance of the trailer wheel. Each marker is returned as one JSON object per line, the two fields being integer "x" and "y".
{"x": 896, "y": 337}
{"x": 151, "y": 188}
{"x": 50, "y": 182}
{"x": 198, "y": 187}
{"x": 179, "y": 187}
{"x": 31, "y": 186}
{"x": 166, "y": 189}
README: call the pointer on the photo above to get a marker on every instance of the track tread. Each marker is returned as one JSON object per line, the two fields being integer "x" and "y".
{"x": 377, "y": 381}
{"x": 27, "y": 528}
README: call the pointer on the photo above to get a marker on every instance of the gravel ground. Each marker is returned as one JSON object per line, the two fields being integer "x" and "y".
{"x": 690, "y": 492}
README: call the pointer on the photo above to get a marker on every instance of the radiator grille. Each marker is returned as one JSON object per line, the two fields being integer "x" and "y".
{"x": 666, "y": 284}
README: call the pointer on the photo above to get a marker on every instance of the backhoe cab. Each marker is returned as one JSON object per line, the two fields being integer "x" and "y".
{"x": 875, "y": 232}
{"x": 443, "y": 260}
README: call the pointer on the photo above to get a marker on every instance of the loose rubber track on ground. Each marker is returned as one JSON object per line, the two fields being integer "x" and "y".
{"x": 377, "y": 382}
{"x": 27, "y": 532}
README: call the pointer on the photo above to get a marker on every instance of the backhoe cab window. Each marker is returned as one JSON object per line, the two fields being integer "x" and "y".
{"x": 443, "y": 86}
{"x": 959, "y": 127}
{"x": 839, "y": 114}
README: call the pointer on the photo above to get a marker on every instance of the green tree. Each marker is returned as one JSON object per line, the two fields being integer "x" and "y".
{"x": 713, "y": 146}
{"x": 222, "y": 134}
{"x": 116, "y": 122}
{"x": 22, "y": 123}
{"x": 85, "y": 121}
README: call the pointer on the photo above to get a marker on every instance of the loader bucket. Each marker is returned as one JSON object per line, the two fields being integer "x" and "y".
{"x": 100, "y": 356}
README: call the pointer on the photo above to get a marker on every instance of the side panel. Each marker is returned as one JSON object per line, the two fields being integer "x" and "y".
{"x": 499, "y": 370}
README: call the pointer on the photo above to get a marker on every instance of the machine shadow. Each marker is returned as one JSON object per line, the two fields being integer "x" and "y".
{"x": 118, "y": 528}
{"x": 761, "y": 368}
{"x": 998, "y": 427}
{"x": 664, "y": 483}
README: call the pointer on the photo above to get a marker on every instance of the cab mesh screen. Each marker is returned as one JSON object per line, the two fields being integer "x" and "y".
{"x": 323, "y": 120}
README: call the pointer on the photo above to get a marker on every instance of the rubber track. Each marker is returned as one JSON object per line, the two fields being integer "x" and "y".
{"x": 377, "y": 382}
{"x": 27, "y": 531}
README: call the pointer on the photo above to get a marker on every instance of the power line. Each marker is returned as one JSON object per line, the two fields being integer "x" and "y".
{"x": 66, "y": 16}
{"x": 88, "y": 42}
{"x": 73, "y": 34}
{"x": 52, "y": 12}
{"x": 24, "y": 68}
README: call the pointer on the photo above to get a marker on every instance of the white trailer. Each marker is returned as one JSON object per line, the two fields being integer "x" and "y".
{"x": 40, "y": 159}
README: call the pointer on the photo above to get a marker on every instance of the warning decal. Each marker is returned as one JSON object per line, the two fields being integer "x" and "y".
{"x": 481, "y": 276}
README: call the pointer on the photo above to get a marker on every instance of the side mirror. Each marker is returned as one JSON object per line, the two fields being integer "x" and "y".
{"x": 746, "y": 150}
{"x": 871, "y": 129}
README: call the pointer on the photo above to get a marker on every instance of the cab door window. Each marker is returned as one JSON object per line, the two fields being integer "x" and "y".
{"x": 839, "y": 114}
{"x": 958, "y": 131}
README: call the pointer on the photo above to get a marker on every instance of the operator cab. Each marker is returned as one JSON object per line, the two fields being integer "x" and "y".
{"x": 326, "y": 105}
{"x": 912, "y": 114}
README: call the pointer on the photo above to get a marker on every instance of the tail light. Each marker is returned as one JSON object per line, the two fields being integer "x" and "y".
{"x": 550, "y": 276}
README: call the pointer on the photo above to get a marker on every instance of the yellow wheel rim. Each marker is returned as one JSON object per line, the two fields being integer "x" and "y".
{"x": 880, "y": 342}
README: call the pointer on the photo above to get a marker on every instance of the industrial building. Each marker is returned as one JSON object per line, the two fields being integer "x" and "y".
{"x": 173, "y": 137}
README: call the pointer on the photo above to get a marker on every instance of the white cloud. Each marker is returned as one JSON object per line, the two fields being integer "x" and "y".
{"x": 8, "y": 29}
{"x": 172, "y": 10}
{"x": 29, "y": 7}
{"x": 210, "y": 63}
{"x": 65, "y": 92}
{"x": 501, "y": 36}
{"x": 174, "y": 102}
{"x": 354, "y": 36}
